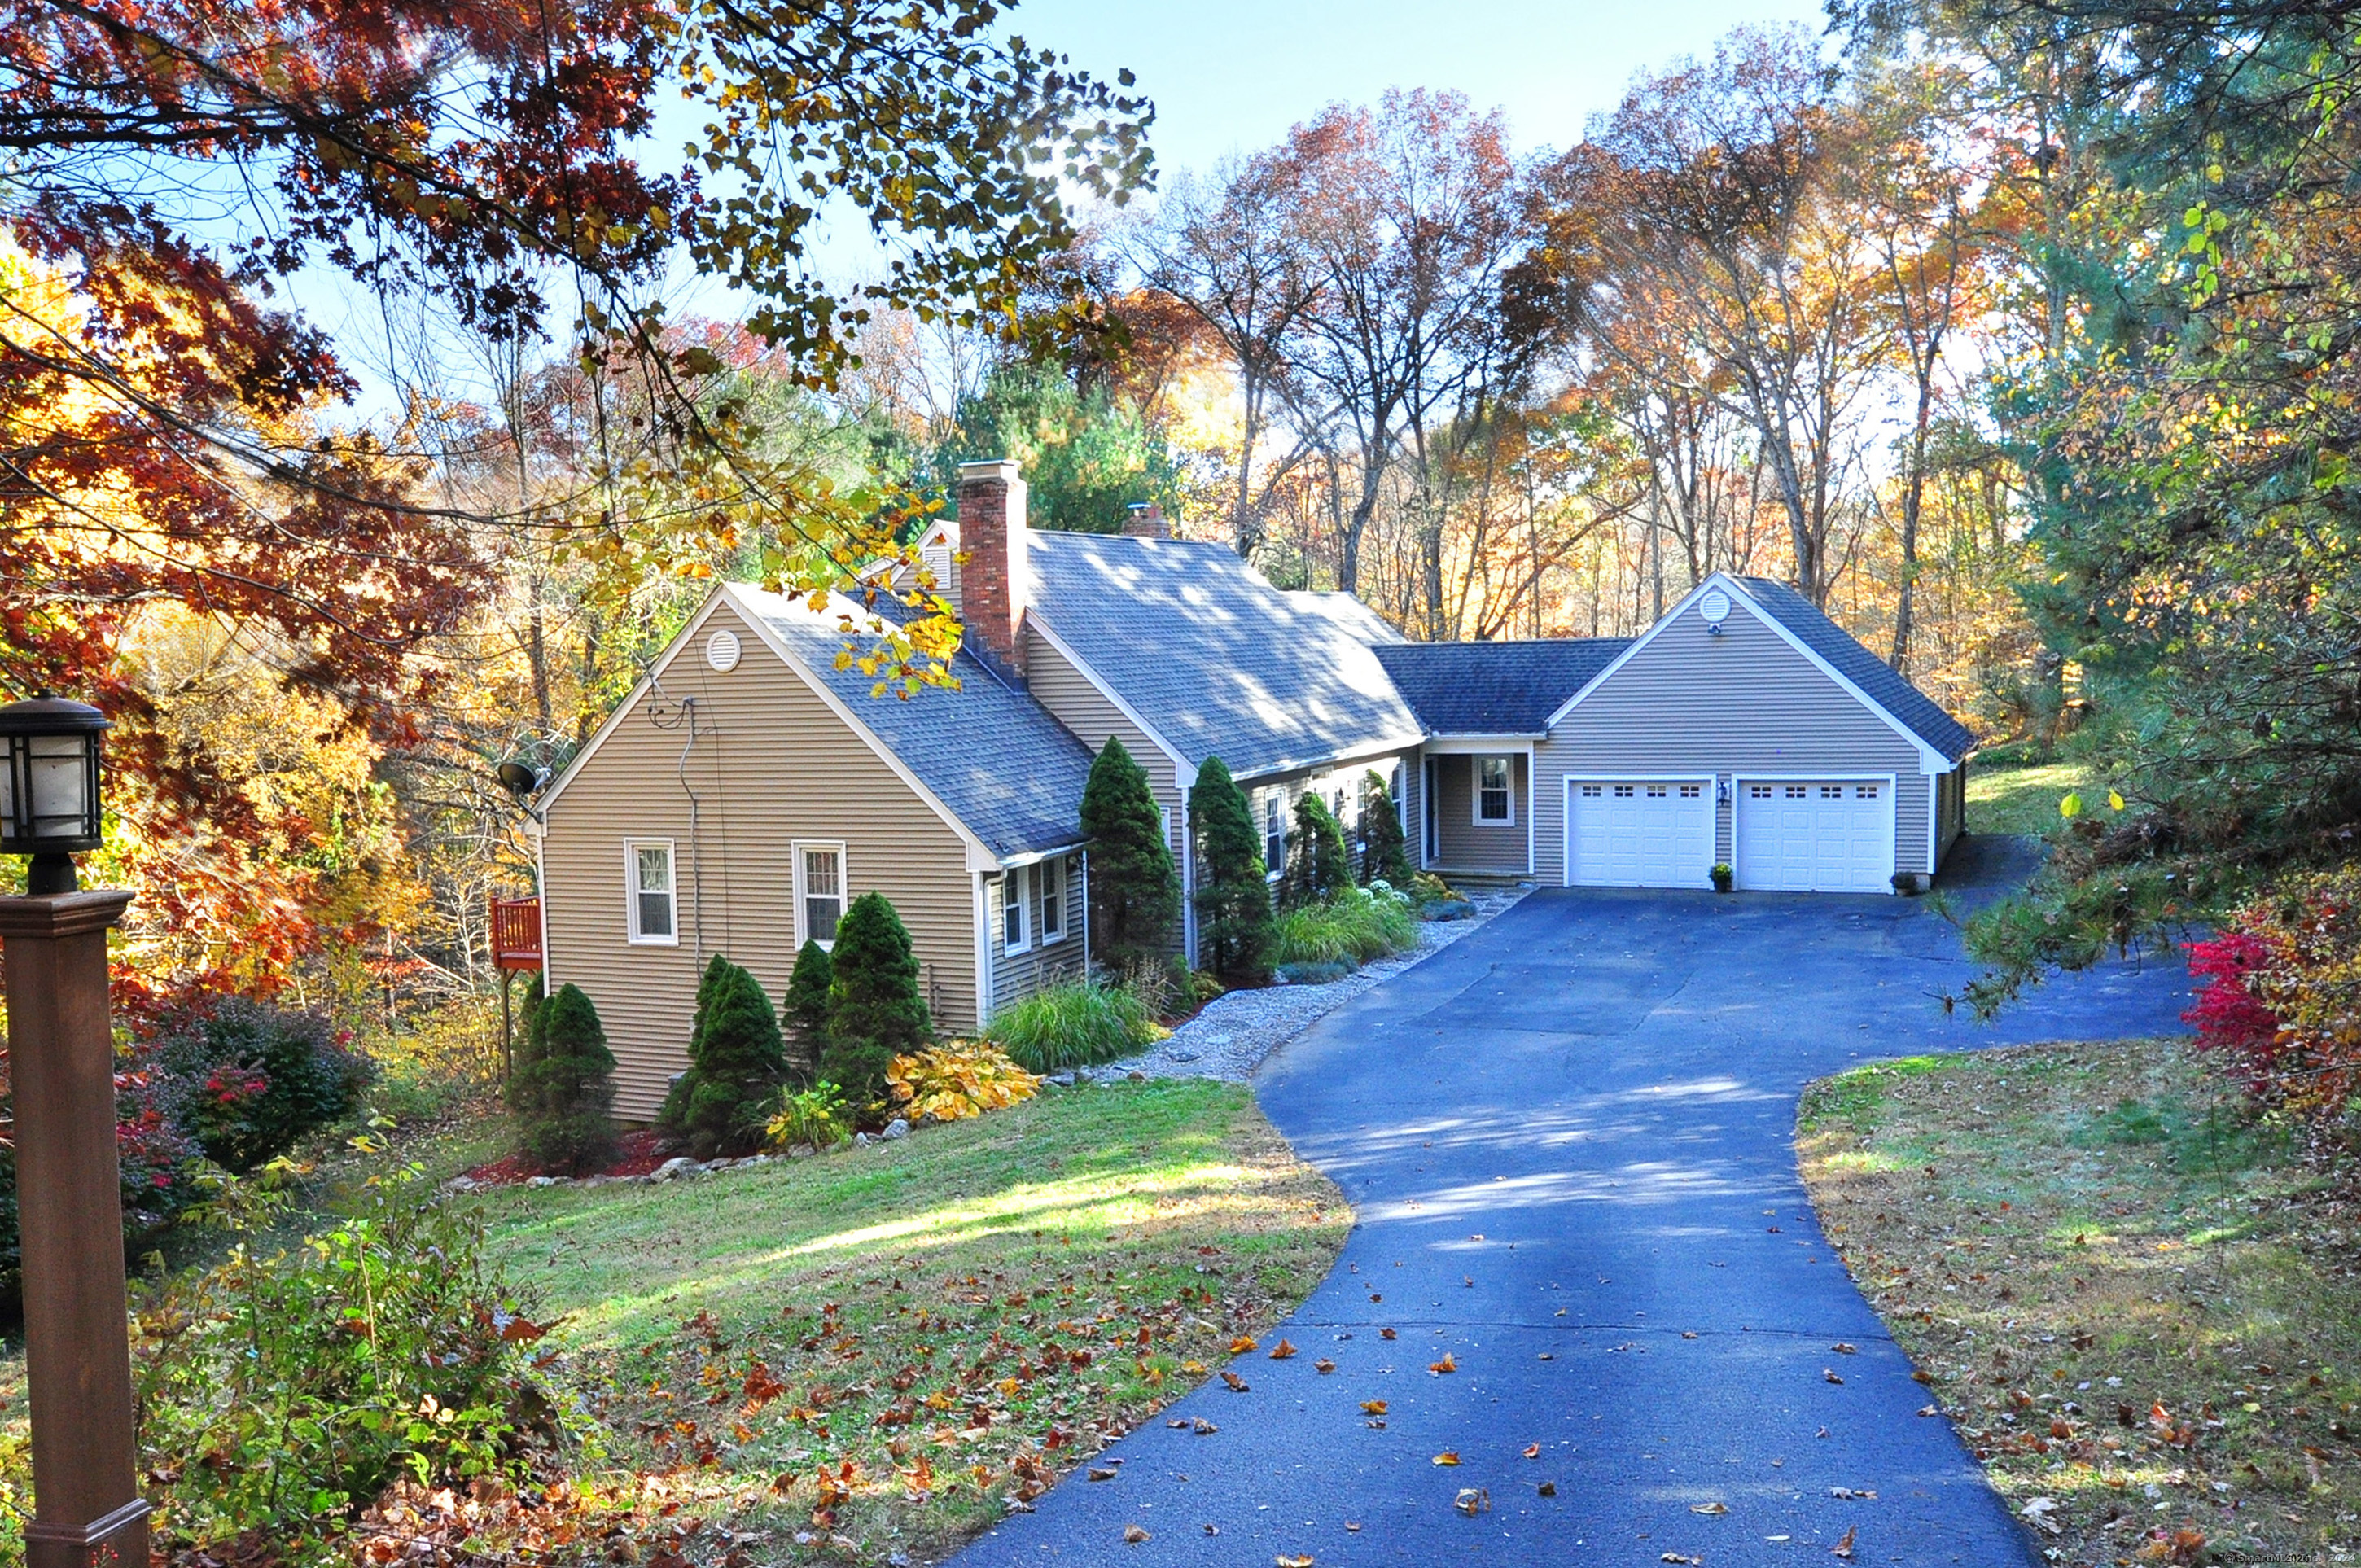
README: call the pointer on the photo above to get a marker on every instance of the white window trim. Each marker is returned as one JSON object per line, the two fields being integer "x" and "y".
{"x": 631, "y": 848}
{"x": 1476, "y": 789}
{"x": 844, "y": 886}
{"x": 1034, "y": 899}
{"x": 1016, "y": 892}
{"x": 1276, "y": 794}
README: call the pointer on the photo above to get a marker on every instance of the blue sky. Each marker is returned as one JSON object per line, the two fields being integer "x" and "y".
{"x": 1235, "y": 74}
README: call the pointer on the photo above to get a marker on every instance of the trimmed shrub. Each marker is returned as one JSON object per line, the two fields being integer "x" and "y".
{"x": 953, "y": 1082}
{"x": 1135, "y": 891}
{"x": 247, "y": 1080}
{"x": 562, "y": 1090}
{"x": 735, "y": 1062}
{"x": 1385, "y": 854}
{"x": 1233, "y": 931}
{"x": 803, "y": 1015}
{"x": 874, "y": 1011}
{"x": 1077, "y": 1023}
{"x": 1318, "y": 868}
{"x": 1366, "y": 922}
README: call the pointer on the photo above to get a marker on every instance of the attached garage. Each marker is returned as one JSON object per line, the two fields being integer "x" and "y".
{"x": 1639, "y": 832}
{"x": 1815, "y": 835}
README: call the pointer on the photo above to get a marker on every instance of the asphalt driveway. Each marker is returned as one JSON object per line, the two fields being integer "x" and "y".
{"x": 1568, "y": 1140}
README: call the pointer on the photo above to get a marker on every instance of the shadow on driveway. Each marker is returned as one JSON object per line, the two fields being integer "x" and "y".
{"x": 1569, "y": 1142}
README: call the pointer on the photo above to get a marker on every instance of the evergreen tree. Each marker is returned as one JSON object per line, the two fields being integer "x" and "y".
{"x": 874, "y": 1011}
{"x": 736, "y": 1060}
{"x": 1318, "y": 866}
{"x": 562, "y": 1091}
{"x": 1135, "y": 892}
{"x": 1385, "y": 857}
{"x": 802, "y": 1016}
{"x": 1233, "y": 917}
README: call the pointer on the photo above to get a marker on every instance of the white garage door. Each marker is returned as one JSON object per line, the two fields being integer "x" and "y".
{"x": 1821, "y": 836}
{"x": 1639, "y": 833}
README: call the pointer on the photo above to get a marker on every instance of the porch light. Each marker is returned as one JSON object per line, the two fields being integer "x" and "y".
{"x": 48, "y": 787}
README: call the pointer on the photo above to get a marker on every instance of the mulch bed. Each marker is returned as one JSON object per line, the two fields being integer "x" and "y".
{"x": 636, "y": 1154}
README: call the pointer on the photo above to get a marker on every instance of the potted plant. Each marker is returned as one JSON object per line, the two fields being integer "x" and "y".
{"x": 1724, "y": 877}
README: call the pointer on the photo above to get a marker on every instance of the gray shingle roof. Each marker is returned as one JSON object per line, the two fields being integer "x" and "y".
{"x": 1917, "y": 711}
{"x": 1495, "y": 688}
{"x": 1218, "y": 660}
{"x": 990, "y": 753}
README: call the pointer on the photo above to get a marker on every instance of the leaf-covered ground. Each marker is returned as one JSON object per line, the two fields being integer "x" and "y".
{"x": 2144, "y": 1318}
{"x": 871, "y": 1353}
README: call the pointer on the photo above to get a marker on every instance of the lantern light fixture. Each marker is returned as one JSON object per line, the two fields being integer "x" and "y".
{"x": 49, "y": 806}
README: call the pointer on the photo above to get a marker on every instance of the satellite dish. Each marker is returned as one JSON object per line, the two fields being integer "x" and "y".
{"x": 520, "y": 780}
{"x": 1714, "y": 607}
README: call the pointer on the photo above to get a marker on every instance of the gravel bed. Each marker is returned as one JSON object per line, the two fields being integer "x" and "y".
{"x": 1230, "y": 1036}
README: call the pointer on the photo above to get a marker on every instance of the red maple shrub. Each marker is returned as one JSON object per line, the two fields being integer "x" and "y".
{"x": 2282, "y": 1003}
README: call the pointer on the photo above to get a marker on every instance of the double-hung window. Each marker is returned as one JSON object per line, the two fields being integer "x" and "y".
{"x": 819, "y": 893}
{"x": 1495, "y": 804}
{"x": 1049, "y": 900}
{"x": 1016, "y": 911}
{"x": 652, "y": 908}
{"x": 1274, "y": 831}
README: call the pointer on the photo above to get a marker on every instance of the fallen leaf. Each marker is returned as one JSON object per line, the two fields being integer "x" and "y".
{"x": 1242, "y": 1345}
{"x": 1284, "y": 1560}
{"x": 1353, "y": 1527}
{"x": 1473, "y": 1500}
{"x": 1688, "y": 1334}
{"x": 1532, "y": 1451}
{"x": 1133, "y": 1535}
{"x": 1841, "y": 1348}
{"x": 1205, "y": 1428}
{"x": 1930, "y": 1411}
{"x": 1282, "y": 1350}
{"x": 1547, "y": 1489}
{"x": 1830, "y": 1373}
{"x": 1844, "y": 1548}
{"x": 1445, "y": 1365}
{"x": 1374, "y": 1406}
{"x": 1102, "y": 1475}
{"x": 1323, "y": 1367}
{"x": 1213, "y": 1529}
{"x": 1447, "y": 1457}
{"x": 1864, "y": 1494}
{"x": 1178, "y": 1421}
{"x": 1547, "y": 1356}
{"x": 1237, "y": 1384}
{"x": 1385, "y": 1334}
{"x": 1709, "y": 1507}
{"x": 1678, "y": 1557}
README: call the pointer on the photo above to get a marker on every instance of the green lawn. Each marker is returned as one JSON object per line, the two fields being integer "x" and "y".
{"x": 904, "y": 1336}
{"x": 2020, "y": 800}
{"x": 2143, "y": 1313}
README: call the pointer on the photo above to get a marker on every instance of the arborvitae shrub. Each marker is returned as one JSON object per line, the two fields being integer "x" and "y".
{"x": 803, "y": 1015}
{"x": 1318, "y": 867}
{"x": 1234, "y": 914}
{"x": 736, "y": 1061}
{"x": 874, "y": 1011}
{"x": 561, "y": 1090}
{"x": 1385, "y": 856}
{"x": 1135, "y": 891}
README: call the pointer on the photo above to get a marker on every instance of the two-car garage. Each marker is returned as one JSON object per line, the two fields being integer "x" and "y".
{"x": 1821, "y": 835}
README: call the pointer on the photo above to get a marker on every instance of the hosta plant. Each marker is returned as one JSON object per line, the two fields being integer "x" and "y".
{"x": 956, "y": 1080}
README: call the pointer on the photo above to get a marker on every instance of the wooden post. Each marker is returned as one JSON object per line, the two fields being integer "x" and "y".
{"x": 508, "y": 1029}
{"x": 88, "y": 1512}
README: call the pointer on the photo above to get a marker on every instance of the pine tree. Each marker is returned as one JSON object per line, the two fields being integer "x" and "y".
{"x": 803, "y": 1015}
{"x": 1385, "y": 857}
{"x": 562, "y": 1090}
{"x": 1233, "y": 917}
{"x": 736, "y": 1061}
{"x": 1318, "y": 867}
{"x": 1135, "y": 892}
{"x": 874, "y": 1011}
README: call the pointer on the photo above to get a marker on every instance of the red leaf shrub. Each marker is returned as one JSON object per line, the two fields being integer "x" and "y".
{"x": 2282, "y": 1001}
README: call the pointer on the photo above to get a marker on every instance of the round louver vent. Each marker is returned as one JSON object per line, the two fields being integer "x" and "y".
{"x": 721, "y": 650}
{"x": 1714, "y": 607}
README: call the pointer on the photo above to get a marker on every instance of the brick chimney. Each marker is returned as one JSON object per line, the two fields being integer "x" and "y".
{"x": 1147, "y": 521}
{"x": 993, "y": 580}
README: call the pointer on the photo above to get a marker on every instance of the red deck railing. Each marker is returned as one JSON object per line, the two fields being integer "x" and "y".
{"x": 516, "y": 933}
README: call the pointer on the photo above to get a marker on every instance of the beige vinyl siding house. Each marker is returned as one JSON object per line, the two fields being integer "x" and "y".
{"x": 1027, "y": 952}
{"x": 775, "y": 770}
{"x": 1487, "y": 830}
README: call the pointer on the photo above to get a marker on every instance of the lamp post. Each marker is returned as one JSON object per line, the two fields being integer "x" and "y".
{"x": 87, "y": 1509}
